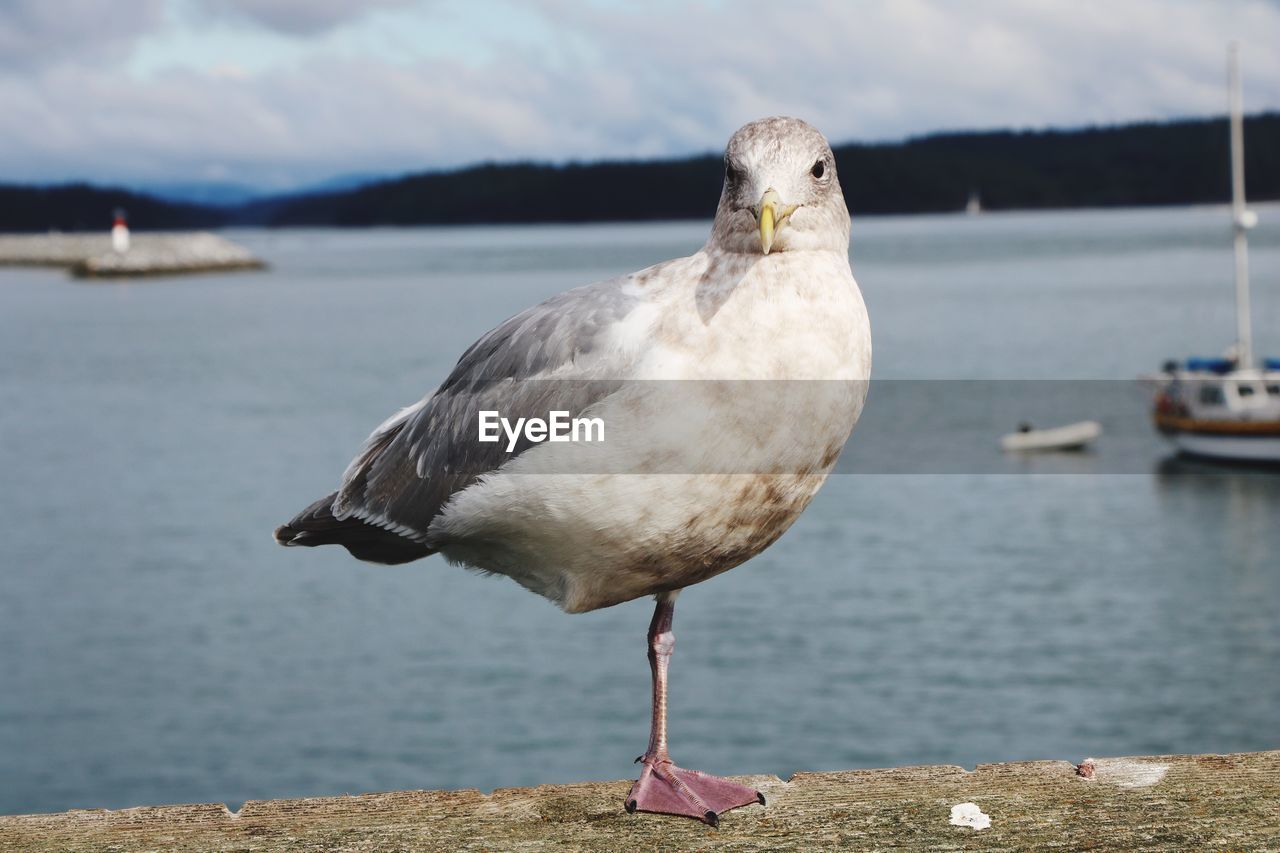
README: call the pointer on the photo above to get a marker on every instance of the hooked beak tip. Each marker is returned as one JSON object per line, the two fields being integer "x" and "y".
{"x": 770, "y": 216}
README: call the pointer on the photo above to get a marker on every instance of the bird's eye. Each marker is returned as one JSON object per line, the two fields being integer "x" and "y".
{"x": 819, "y": 169}
{"x": 730, "y": 173}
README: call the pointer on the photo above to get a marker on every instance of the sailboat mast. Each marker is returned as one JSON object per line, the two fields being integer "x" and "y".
{"x": 1242, "y": 219}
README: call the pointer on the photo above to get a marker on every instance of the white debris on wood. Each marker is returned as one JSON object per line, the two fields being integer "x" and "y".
{"x": 968, "y": 814}
{"x": 1127, "y": 773}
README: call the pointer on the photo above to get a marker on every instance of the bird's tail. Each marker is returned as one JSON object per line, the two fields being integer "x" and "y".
{"x": 316, "y": 525}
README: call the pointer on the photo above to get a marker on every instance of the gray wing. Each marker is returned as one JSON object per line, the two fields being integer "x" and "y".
{"x": 548, "y": 357}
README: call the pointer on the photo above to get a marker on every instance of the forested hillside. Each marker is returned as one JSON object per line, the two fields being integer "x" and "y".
{"x": 1183, "y": 162}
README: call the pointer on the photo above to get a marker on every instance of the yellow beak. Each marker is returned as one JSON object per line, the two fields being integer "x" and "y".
{"x": 770, "y": 215}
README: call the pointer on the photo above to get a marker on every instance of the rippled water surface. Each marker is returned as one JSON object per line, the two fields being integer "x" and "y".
{"x": 156, "y": 646}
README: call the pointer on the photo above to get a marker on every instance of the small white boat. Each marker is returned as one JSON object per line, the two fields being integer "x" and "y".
{"x": 1069, "y": 437}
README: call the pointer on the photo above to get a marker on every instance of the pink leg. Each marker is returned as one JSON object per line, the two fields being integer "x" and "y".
{"x": 664, "y": 788}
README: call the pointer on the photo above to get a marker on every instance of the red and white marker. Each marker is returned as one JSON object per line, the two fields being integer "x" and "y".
{"x": 120, "y": 233}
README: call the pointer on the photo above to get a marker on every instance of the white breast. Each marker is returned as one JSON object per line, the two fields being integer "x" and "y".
{"x": 712, "y": 448}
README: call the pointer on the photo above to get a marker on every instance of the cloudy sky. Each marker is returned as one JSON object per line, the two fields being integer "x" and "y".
{"x": 284, "y": 93}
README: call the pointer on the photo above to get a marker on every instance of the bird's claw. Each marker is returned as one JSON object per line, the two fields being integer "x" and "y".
{"x": 664, "y": 788}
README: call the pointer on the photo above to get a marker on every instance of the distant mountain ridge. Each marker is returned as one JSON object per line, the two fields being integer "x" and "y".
{"x": 208, "y": 193}
{"x": 1150, "y": 163}
{"x": 228, "y": 194}
{"x": 83, "y": 207}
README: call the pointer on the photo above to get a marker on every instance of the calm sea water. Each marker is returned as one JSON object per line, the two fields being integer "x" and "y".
{"x": 156, "y": 646}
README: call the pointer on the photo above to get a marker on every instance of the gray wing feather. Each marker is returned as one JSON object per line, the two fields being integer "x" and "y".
{"x": 413, "y": 464}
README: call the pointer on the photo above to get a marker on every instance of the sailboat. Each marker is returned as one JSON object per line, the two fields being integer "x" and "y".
{"x": 1226, "y": 408}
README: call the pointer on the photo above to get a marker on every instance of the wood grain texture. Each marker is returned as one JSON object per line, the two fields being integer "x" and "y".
{"x": 1200, "y": 802}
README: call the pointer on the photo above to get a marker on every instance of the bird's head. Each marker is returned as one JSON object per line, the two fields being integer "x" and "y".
{"x": 780, "y": 191}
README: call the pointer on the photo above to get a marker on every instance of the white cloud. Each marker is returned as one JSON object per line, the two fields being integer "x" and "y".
{"x": 580, "y": 80}
{"x": 38, "y": 33}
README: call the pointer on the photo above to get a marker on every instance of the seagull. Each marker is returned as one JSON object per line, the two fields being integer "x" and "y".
{"x": 725, "y": 384}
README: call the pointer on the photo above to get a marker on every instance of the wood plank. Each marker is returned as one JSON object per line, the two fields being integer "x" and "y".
{"x": 1201, "y": 802}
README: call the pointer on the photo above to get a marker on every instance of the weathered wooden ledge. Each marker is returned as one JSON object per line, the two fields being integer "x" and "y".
{"x": 150, "y": 254}
{"x": 1181, "y": 802}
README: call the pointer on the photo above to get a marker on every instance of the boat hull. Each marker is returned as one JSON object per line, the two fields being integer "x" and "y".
{"x": 1237, "y": 448}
